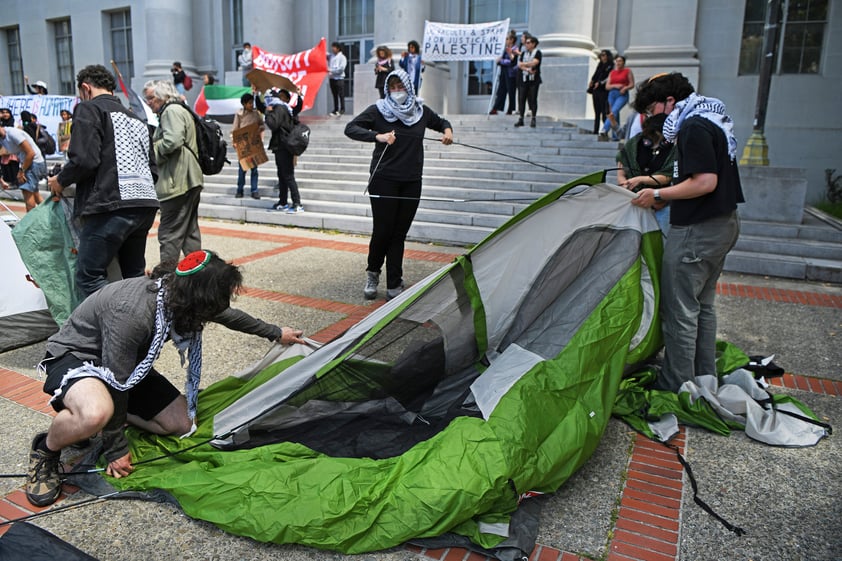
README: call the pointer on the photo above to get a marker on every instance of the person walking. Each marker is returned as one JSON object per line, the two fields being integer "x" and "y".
{"x": 395, "y": 124}
{"x": 704, "y": 224}
{"x": 113, "y": 167}
{"x": 180, "y": 178}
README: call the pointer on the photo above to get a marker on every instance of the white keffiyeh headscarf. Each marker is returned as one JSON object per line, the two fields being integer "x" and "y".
{"x": 708, "y": 108}
{"x": 190, "y": 344}
{"x": 410, "y": 111}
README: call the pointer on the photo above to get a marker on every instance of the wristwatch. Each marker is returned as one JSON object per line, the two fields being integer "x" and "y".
{"x": 657, "y": 194}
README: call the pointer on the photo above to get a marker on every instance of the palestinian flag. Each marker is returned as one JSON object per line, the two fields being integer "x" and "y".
{"x": 219, "y": 100}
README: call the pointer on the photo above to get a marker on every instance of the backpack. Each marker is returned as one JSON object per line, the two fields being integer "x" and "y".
{"x": 45, "y": 141}
{"x": 211, "y": 143}
{"x": 297, "y": 139}
{"x": 188, "y": 82}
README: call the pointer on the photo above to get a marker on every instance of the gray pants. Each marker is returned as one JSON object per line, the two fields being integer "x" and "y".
{"x": 693, "y": 260}
{"x": 178, "y": 231}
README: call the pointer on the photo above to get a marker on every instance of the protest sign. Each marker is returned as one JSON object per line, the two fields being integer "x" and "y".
{"x": 46, "y": 107}
{"x": 451, "y": 41}
{"x": 249, "y": 146}
{"x": 307, "y": 69}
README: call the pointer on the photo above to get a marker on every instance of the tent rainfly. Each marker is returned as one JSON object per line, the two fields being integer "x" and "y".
{"x": 437, "y": 414}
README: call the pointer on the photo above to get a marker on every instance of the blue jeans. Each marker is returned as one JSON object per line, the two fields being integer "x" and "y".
{"x": 693, "y": 259}
{"x": 36, "y": 172}
{"x": 120, "y": 233}
{"x": 616, "y": 101}
{"x": 241, "y": 179}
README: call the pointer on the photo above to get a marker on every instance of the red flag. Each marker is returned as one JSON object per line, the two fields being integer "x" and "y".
{"x": 201, "y": 105}
{"x": 306, "y": 69}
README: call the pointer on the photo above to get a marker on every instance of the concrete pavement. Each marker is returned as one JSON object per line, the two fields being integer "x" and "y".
{"x": 630, "y": 501}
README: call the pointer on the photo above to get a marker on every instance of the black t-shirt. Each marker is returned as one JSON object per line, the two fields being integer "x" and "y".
{"x": 703, "y": 148}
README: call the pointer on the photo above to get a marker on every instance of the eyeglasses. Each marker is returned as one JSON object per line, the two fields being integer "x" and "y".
{"x": 653, "y": 107}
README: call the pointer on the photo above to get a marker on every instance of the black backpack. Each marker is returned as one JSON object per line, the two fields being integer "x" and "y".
{"x": 211, "y": 143}
{"x": 45, "y": 141}
{"x": 297, "y": 139}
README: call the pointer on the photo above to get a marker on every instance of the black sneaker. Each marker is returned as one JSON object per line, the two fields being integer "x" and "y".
{"x": 255, "y": 196}
{"x": 238, "y": 195}
{"x": 43, "y": 484}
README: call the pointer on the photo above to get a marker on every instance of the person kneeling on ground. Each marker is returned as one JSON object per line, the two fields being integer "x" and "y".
{"x": 99, "y": 366}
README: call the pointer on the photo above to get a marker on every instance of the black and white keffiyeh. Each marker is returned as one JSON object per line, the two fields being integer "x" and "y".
{"x": 191, "y": 345}
{"x": 708, "y": 108}
{"x": 410, "y": 111}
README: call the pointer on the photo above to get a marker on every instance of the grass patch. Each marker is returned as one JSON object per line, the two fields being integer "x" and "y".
{"x": 833, "y": 209}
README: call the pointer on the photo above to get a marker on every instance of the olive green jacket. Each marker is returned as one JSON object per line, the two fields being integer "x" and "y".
{"x": 175, "y": 137}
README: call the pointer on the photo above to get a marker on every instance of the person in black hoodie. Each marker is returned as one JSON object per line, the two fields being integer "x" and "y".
{"x": 396, "y": 125}
{"x": 115, "y": 189}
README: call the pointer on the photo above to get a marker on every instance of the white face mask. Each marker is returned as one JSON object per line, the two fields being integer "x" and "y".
{"x": 398, "y": 97}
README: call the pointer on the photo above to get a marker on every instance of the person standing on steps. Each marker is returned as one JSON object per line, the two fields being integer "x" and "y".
{"x": 529, "y": 64}
{"x": 280, "y": 118}
{"x": 336, "y": 68}
{"x": 396, "y": 125}
{"x": 245, "y": 117}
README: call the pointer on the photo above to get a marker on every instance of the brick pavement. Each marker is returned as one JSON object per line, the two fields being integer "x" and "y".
{"x": 648, "y": 519}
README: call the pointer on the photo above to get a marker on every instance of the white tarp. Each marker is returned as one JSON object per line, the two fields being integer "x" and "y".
{"x": 24, "y": 318}
{"x": 451, "y": 41}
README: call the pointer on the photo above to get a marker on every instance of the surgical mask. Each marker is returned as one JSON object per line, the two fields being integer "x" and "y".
{"x": 398, "y": 97}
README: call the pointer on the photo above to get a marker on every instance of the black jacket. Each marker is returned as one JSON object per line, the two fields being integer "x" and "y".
{"x": 404, "y": 160}
{"x": 107, "y": 178}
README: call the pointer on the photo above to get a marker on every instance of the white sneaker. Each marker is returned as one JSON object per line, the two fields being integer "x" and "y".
{"x": 295, "y": 209}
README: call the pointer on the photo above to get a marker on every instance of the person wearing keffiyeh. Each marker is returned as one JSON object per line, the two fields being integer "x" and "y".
{"x": 396, "y": 125}
{"x": 100, "y": 370}
{"x": 704, "y": 225}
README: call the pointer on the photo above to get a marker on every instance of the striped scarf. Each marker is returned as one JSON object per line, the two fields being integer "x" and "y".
{"x": 191, "y": 345}
{"x": 708, "y": 108}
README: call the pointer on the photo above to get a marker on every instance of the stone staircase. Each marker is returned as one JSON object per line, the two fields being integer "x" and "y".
{"x": 469, "y": 191}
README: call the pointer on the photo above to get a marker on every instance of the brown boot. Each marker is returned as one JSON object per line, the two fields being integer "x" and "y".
{"x": 43, "y": 484}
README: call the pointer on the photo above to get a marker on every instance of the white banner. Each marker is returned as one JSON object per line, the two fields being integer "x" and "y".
{"x": 45, "y": 107}
{"x": 453, "y": 41}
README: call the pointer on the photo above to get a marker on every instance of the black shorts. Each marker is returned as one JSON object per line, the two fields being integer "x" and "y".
{"x": 148, "y": 398}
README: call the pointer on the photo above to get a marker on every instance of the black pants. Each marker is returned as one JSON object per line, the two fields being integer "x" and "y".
{"x": 600, "y": 108}
{"x": 392, "y": 219}
{"x": 337, "y": 88}
{"x": 528, "y": 94}
{"x": 286, "y": 177}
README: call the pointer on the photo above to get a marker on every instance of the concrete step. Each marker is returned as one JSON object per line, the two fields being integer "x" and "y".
{"x": 806, "y": 248}
{"x": 785, "y": 266}
{"x": 470, "y": 190}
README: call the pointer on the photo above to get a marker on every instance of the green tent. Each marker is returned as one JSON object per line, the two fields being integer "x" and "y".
{"x": 493, "y": 377}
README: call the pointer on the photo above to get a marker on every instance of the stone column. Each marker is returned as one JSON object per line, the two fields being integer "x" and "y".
{"x": 565, "y": 32}
{"x": 657, "y": 46}
{"x": 271, "y": 25}
{"x": 169, "y": 37}
{"x": 395, "y": 24}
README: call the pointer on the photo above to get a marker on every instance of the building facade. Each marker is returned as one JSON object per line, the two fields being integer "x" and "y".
{"x": 716, "y": 43}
